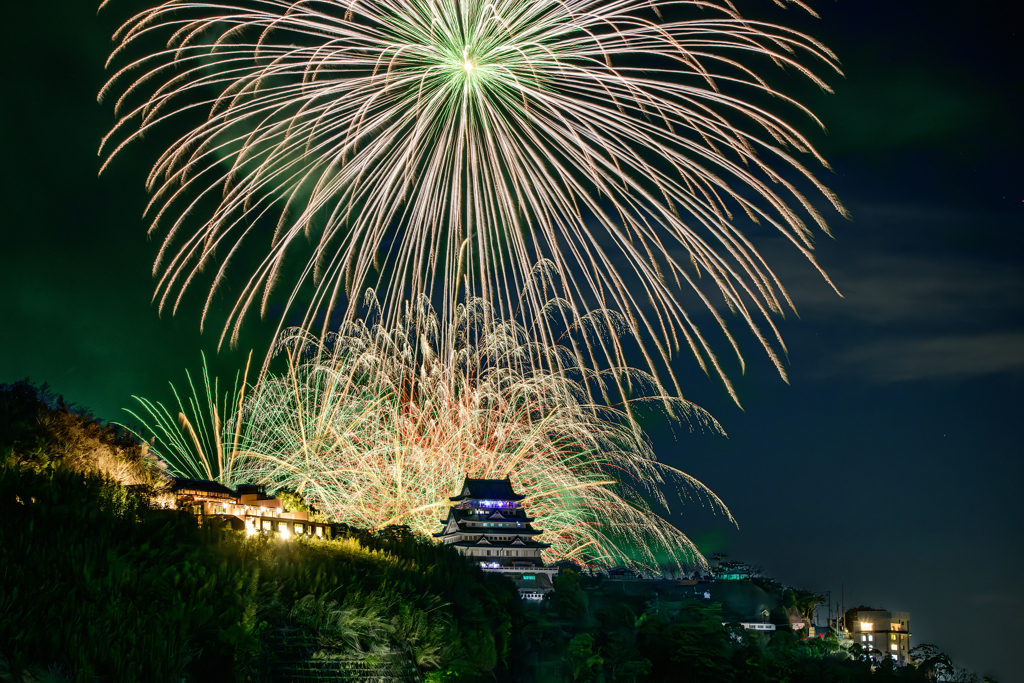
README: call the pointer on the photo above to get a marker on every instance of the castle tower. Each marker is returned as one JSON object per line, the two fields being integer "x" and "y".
{"x": 489, "y": 524}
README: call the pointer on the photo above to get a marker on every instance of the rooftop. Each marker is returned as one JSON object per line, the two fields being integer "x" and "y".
{"x": 181, "y": 484}
{"x": 487, "y": 489}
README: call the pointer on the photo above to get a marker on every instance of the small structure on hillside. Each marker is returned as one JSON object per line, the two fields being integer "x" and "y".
{"x": 489, "y": 524}
{"x": 247, "y": 509}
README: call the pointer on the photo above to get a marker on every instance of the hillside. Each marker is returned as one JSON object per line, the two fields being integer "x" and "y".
{"x": 97, "y": 582}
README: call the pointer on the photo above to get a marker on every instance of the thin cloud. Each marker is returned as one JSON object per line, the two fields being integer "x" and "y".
{"x": 916, "y": 303}
{"x": 949, "y": 357}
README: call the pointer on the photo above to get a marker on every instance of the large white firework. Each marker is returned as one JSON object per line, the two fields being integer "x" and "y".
{"x": 378, "y": 426}
{"x": 443, "y": 147}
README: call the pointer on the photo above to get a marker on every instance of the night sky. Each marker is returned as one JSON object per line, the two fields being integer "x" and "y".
{"x": 890, "y": 464}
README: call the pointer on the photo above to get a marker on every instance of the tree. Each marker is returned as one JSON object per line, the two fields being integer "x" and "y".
{"x": 587, "y": 664}
{"x": 568, "y": 598}
{"x": 932, "y": 662}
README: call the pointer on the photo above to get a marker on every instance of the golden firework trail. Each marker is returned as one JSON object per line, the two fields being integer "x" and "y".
{"x": 444, "y": 147}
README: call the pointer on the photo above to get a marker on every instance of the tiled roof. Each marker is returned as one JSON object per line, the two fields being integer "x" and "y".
{"x": 487, "y": 489}
{"x": 467, "y": 516}
{"x": 527, "y": 543}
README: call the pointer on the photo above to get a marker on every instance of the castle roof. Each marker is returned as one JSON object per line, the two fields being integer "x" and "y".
{"x": 517, "y": 543}
{"x": 454, "y": 525}
{"x": 487, "y": 516}
{"x": 487, "y": 489}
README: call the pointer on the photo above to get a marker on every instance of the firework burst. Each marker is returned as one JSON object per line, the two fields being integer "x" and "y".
{"x": 443, "y": 147}
{"x": 377, "y": 426}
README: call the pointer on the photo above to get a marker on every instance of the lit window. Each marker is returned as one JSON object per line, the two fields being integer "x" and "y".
{"x": 895, "y": 646}
{"x": 892, "y": 636}
{"x": 895, "y": 627}
{"x": 866, "y": 626}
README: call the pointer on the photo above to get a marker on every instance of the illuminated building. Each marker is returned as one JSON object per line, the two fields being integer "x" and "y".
{"x": 489, "y": 524}
{"x": 881, "y": 633}
{"x": 247, "y": 509}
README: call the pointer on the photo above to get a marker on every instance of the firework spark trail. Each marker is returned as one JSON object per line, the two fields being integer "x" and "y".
{"x": 377, "y": 426}
{"x": 496, "y": 134}
{"x": 194, "y": 447}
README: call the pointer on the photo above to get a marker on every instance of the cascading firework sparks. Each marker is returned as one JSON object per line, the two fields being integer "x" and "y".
{"x": 443, "y": 147}
{"x": 377, "y": 426}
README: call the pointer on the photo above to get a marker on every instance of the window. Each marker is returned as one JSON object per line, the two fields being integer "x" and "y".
{"x": 892, "y": 636}
{"x": 894, "y": 627}
{"x": 866, "y": 626}
{"x": 299, "y": 529}
{"x": 895, "y": 646}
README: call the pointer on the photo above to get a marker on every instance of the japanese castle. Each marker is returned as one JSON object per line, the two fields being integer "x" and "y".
{"x": 489, "y": 524}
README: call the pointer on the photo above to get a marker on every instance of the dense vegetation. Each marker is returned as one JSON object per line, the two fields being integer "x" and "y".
{"x": 97, "y": 582}
{"x": 590, "y": 632}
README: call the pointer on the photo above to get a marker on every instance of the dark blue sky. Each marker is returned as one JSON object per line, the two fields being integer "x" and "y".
{"x": 890, "y": 463}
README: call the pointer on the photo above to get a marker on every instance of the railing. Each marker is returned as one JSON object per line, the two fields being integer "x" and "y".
{"x": 301, "y": 659}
